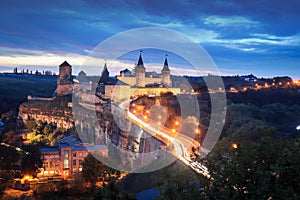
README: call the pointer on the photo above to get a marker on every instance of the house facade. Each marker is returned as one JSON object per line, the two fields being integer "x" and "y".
{"x": 66, "y": 159}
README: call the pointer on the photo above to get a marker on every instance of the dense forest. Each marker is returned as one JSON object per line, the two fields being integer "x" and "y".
{"x": 256, "y": 157}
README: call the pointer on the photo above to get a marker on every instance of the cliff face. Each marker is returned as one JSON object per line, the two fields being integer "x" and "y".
{"x": 57, "y": 111}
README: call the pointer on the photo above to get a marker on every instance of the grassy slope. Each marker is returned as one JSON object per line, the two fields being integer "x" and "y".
{"x": 14, "y": 89}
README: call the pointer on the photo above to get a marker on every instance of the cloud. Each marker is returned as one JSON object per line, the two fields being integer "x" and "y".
{"x": 222, "y": 21}
{"x": 256, "y": 42}
{"x": 27, "y": 57}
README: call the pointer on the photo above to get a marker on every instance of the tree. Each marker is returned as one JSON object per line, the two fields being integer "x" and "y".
{"x": 254, "y": 170}
{"x": 31, "y": 160}
{"x": 180, "y": 184}
{"x": 111, "y": 191}
{"x": 93, "y": 171}
{"x": 12, "y": 138}
{"x": 8, "y": 157}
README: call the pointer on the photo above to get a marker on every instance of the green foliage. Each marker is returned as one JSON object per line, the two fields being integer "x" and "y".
{"x": 183, "y": 184}
{"x": 31, "y": 160}
{"x": 94, "y": 171}
{"x": 111, "y": 191}
{"x": 44, "y": 133}
{"x": 261, "y": 170}
{"x": 278, "y": 119}
{"x": 266, "y": 96}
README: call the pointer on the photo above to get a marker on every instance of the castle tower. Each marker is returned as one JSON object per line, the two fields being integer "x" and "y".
{"x": 104, "y": 76}
{"x": 165, "y": 74}
{"x": 64, "y": 79}
{"x": 140, "y": 72}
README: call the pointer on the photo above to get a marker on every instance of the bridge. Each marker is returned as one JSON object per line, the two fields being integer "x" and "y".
{"x": 180, "y": 142}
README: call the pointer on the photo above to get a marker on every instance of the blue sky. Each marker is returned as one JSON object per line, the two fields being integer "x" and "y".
{"x": 242, "y": 37}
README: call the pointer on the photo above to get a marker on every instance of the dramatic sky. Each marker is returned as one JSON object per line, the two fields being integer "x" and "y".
{"x": 242, "y": 37}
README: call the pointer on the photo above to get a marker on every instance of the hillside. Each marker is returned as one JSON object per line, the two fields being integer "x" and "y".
{"x": 14, "y": 88}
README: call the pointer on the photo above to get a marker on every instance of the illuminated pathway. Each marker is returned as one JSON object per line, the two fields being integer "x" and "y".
{"x": 180, "y": 143}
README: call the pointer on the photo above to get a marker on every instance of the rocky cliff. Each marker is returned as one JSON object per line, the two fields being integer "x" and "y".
{"x": 57, "y": 111}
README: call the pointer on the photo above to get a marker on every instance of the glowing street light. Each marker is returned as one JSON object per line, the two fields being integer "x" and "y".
{"x": 173, "y": 130}
{"x": 234, "y": 145}
{"x": 176, "y": 123}
{"x": 298, "y": 128}
{"x": 266, "y": 85}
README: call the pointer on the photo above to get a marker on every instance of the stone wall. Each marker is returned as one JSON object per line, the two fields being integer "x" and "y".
{"x": 55, "y": 111}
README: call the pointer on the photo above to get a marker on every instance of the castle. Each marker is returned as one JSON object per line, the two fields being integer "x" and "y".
{"x": 141, "y": 80}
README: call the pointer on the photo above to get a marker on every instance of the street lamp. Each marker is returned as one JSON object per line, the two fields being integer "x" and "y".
{"x": 234, "y": 145}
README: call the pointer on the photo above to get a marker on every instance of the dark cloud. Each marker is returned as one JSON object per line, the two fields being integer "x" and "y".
{"x": 230, "y": 30}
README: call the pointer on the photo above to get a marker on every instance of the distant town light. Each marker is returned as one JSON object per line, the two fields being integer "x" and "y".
{"x": 234, "y": 145}
{"x": 173, "y": 131}
{"x": 176, "y": 123}
{"x": 158, "y": 123}
{"x": 298, "y": 128}
{"x": 134, "y": 111}
{"x": 145, "y": 117}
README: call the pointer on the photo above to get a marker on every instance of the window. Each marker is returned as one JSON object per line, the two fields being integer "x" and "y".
{"x": 74, "y": 155}
{"x": 80, "y": 162}
{"x": 66, "y": 159}
{"x": 66, "y": 154}
{"x": 74, "y": 162}
{"x": 66, "y": 164}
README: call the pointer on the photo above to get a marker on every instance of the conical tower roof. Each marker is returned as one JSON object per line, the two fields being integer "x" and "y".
{"x": 65, "y": 63}
{"x": 140, "y": 62}
{"x": 105, "y": 70}
{"x": 166, "y": 66}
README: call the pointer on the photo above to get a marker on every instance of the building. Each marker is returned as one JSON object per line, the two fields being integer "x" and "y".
{"x": 64, "y": 79}
{"x": 143, "y": 79}
{"x": 140, "y": 82}
{"x": 66, "y": 159}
